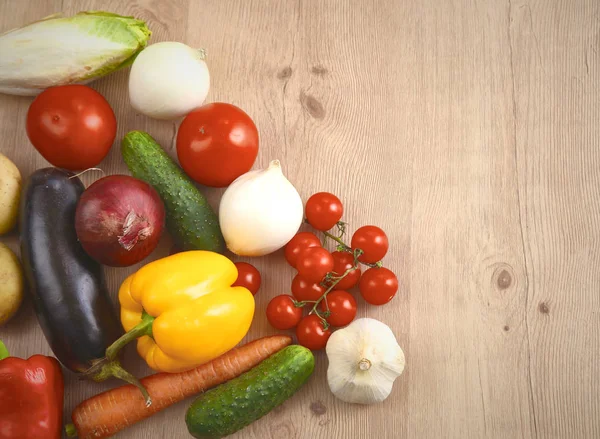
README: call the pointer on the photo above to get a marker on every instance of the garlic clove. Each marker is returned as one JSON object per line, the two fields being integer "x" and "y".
{"x": 364, "y": 360}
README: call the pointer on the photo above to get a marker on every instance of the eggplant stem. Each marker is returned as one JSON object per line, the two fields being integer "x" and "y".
{"x": 139, "y": 330}
{"x": 106, "y": 368}
{"x": 109, "y": 366}
{"x": 114, "y": 369}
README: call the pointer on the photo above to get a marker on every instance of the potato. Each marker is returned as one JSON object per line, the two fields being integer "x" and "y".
{"x": 11, "y": 284}
{"x": 10, "y": 192}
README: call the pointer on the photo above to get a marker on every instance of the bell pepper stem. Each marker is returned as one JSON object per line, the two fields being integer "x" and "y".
{"x": 70, "y": 430}
{"x": 113, "y": 368}
{"x": 139, "y": 330}
{"x": 3, "y": 351}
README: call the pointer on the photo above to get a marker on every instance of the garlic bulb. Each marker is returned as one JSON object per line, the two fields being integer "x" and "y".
{"x": 364, "y": 360}
{"x": 260, "y": 212}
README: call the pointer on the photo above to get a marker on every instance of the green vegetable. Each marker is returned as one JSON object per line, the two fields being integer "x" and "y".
{"x": 61, "y": 50}
{"x": 190, "y": 219}
{"x": 241, "y": 401}
{"x": 3, "y": 351}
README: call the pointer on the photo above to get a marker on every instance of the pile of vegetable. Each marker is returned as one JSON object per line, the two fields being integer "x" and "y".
{"x": 186, "y": 311}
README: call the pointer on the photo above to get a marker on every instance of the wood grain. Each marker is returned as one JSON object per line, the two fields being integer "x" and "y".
{"x": 469, "y": 132}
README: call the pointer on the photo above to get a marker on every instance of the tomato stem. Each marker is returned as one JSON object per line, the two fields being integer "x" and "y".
{"x": 330, "y": 277}
{"x": 341, "y": 226}
{"x": 378, "y": 264}
{"x": 338, "y": 240}
{"x": 300, "y": 304}
{"x": 323, "y": 316}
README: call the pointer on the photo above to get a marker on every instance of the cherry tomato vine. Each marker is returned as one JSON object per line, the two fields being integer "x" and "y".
{"x": 330, "y": 281}
{"x": 318, "y": 277}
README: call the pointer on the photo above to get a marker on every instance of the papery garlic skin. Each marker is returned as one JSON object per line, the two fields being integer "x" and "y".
{"x": 260, "y": 212}
{"x": 364, "y": 360}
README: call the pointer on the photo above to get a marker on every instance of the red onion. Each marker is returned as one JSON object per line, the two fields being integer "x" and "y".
{"x": 119, "y": 220}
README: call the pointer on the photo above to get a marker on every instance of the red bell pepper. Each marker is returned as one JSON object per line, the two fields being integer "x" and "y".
{"x": 31, "y": 398}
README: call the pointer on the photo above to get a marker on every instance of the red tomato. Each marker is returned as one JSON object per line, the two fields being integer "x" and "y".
{"x": 314, "y": 263}
{"x": 216, "y": 144}
{"x": 323, "y": 210}
{"x": 298, "y": 243}
{"x": 248, "y": 276}
{"x": 378, "y": 285}
{"x": 311, "y": 334}
{"x": 71, "y": 126}
{"x": 372, "y": 241}
{"x": 342, "y": 307}
{"x": 304, "y": 289}
{"x": 343, "y": 261}
{"x": 281, "y": 312}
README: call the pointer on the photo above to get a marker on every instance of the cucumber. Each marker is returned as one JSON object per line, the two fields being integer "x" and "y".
{"x": 190, "y": 219}
{"x": 241, "y": 401}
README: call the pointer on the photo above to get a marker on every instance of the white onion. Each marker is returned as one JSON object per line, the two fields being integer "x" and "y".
{"x": 168, "y": 80}
{"x": 260, "y": 212}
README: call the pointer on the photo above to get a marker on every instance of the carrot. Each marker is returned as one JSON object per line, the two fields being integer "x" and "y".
{"x": 110, "y": 412}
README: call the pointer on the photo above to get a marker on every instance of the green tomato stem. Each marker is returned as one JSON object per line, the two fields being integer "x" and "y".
{"x": 357, "y": 252}
{"x": 327, "y": 291}
{"x": 3, "y": 351}
{"x": 338, "y": 240}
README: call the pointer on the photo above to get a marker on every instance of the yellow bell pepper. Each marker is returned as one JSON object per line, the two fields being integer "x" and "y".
{"x": 184, "y": 310}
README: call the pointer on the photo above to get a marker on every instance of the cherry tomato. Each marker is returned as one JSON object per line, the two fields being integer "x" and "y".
{"x": 71, "y": 126}
{"x": 216, "y": 144}
{"x": 248, "y": 276}
{"x": 298, "y": 243}
{"x": 314, "y": 263}
{"x": 378, "y": 285}
{"x": 342, "y": 306}
{"x": 310, "y": 333}
{"x": 343, "y": 261}
{"x": 372, "y": 241}
{"x": 281, "y": 312}
{"x": 323, "y": 210}
{"x": 304, "y": 289}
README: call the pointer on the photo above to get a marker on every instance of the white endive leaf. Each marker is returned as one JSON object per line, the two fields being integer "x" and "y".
{"x": 67, "y": 50}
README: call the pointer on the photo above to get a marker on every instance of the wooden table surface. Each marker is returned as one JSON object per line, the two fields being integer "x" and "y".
{"x": 469, "y": 131}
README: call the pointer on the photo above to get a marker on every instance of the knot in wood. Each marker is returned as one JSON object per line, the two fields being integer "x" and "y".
{"x": 503, "y": 277}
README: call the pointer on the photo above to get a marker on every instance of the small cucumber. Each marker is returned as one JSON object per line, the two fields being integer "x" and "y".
{"x": 190, "y": 219}
{"x": 232, "y": 406}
